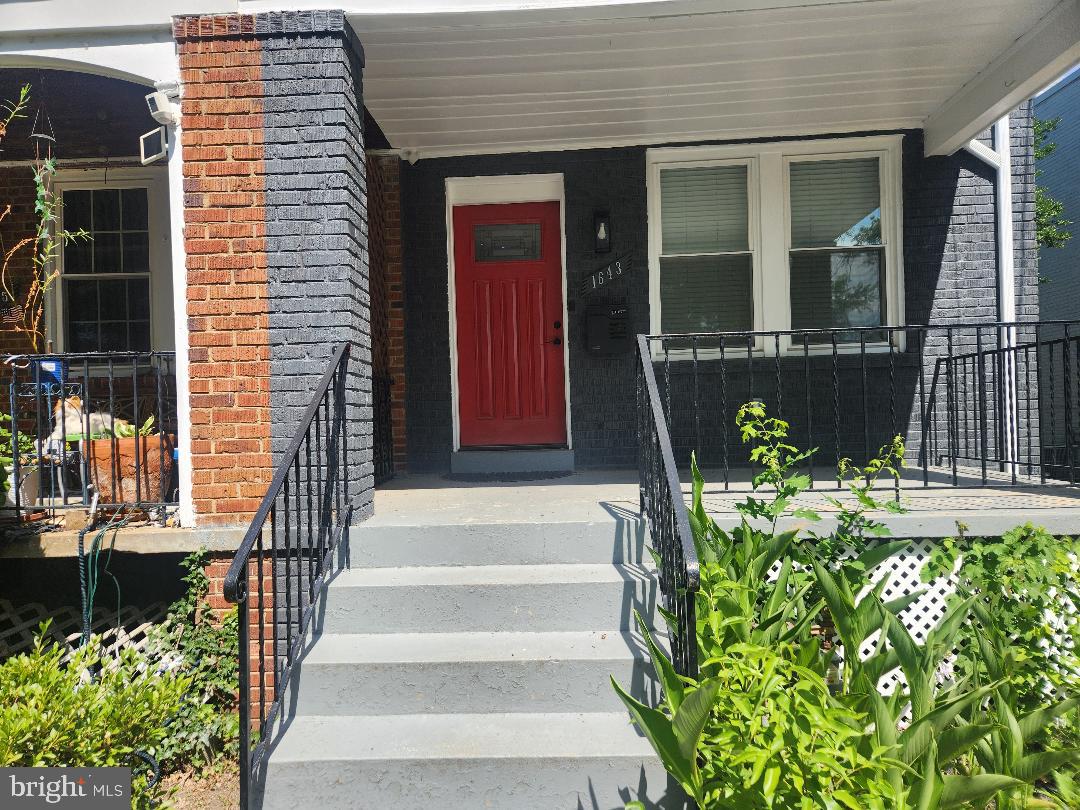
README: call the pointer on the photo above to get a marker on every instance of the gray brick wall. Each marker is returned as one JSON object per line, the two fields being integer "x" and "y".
{"x": 950, "y": 277}
{"x": 316, "y": 220}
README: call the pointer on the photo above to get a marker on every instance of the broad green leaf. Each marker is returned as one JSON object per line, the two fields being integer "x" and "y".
{"x": 958, "y": 739}
{"x": 665, "y": 672}
{"x": 926, "y": 792}
{"x": 899, "y": 605}
{"x": 879, "y": 553}
{"x": 1035, "y": 766}
{"x": 1036, "y": 721}
{"x": 960, "y": 790}
{"x": 689, "y": 721}
{"x": 658, "y": 728}
{"x": 916, "y": 738}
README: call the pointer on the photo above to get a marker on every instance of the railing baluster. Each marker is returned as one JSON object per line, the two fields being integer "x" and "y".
{"x": 809, "y": 409}
{"x": 981, "y": 378}
{"x": 724, "y": 414}
{"x": 697, "y": 418}
{"x": 836, "y": 404}
{"x": 924, "y": 417}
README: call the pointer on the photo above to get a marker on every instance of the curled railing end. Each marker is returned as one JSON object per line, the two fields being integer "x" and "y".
{"x": 234, "y": 588}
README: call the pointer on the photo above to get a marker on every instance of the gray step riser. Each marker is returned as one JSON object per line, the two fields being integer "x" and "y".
{"x": 433, "y": 608}
{"x": 570, "y": 783}
{"x": 619, "y": 541}
{"x": 470, "y": 686}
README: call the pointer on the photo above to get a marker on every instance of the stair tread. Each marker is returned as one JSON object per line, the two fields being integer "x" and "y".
{"x": 365, "y": 648}
{"x": 543, "y": 573}
{"x": 600, "y": 735}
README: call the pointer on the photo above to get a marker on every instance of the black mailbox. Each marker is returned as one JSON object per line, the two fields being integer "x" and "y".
{"x": 607, "y": 329}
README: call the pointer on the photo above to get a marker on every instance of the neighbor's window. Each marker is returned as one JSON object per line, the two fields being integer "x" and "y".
{"x": 706, "y": 262}
{"x": 837, "y": 253}
{"x": 105, "y": 280}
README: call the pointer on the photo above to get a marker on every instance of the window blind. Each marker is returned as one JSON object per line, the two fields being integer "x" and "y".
{"x": 704, "y": 210}
{"x": 706, "y": 293}
{"x": 835, "y": 203}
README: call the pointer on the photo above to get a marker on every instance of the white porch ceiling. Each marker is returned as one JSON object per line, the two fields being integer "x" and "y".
{"x": 683, "y": 70}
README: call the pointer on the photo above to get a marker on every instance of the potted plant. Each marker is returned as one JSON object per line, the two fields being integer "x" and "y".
{"x": 29, "y": 474}
{"x": 127, "y": 465}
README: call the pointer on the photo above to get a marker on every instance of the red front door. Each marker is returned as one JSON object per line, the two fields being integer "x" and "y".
{"x": 508, "y": 287}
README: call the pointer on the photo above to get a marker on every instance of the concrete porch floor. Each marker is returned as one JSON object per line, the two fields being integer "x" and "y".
{"x": 596, "y": 496}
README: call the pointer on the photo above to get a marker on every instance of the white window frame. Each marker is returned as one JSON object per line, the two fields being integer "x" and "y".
{"x": 156, "y": 182}
{"x": 770, "y": 218}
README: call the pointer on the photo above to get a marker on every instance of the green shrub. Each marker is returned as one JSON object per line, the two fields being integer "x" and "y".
{"x": 191, "y": 639}
{"x": 86, "y": 710}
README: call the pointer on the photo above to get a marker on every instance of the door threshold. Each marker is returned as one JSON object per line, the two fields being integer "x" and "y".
{"x": 480, "y": 461}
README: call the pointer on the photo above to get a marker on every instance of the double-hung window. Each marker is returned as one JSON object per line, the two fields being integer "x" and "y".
{"x": 113, "y": 293}
{"x": 779, "y": 236}
{"x": 706, "y": 261}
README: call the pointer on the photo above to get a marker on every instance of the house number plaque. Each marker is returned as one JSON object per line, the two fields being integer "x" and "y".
{"x": 607, "y": 274}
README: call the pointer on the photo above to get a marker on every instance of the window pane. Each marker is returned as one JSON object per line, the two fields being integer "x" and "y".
{"x": 836, "y": 289}
{"x": 79, "y": 256}
{"x": 110, "y": 315}
{"x": 133, "y": 209}
{"x": 136, "y": 252}
{"x": 835, "y": 203}
{"x": 76, "y": 210}
{"x": 507, "y": 242}
{"x": 107, "y": 253}
{"x": 704, "y": 210}
{"x": 706, "y": 294}
{"x": 106, "y": 209}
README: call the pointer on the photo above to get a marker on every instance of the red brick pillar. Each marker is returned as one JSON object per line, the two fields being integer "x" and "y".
{"x": 225, "y": 242}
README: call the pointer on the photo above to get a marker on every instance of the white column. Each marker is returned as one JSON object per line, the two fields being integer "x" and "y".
{"x": 180, "y": 321}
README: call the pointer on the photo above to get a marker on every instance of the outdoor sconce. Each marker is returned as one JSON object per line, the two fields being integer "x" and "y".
{"x": 602, "y": 231}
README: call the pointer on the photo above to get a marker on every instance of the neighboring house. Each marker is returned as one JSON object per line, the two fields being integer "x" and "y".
{"x": 1059, "y": 268}
{"x": 489, "y": 201}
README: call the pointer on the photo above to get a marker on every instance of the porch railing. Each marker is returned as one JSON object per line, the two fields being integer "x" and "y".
{"x": 978, "y": 405}
{"x": 284, "y": 560}
{"x": 663, "y": 507}
{"x": 89, "y": 428}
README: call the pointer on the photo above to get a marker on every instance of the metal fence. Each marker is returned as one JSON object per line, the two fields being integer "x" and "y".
{"x": 86, "y": 428}
{"x": 976, "y": 404}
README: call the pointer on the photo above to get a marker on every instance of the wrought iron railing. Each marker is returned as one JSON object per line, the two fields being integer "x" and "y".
{"x": 382, "y": 386}
{"x": 978, "y": 405}
{"x": 663, "y": 507}
{"x": 285, "y": 558}
{"x": 89, "y": 428}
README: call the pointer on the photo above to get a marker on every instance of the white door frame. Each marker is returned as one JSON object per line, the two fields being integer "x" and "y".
{"x": 495, "y": 190}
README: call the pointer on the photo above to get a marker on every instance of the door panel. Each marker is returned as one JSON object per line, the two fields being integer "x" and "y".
{"x": 508, "y": 288}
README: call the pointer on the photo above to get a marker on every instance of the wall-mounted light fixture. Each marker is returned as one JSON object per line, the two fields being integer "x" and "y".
{"x": 602, "y": 231}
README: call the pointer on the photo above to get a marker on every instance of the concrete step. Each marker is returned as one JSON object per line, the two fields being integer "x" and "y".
{"x": 433, "y": 673}
{"x": 535, "y": 761}
{"x": 509, "y": 598}
{"x": 511, "y": 460}
{"x": 620, "y": 539}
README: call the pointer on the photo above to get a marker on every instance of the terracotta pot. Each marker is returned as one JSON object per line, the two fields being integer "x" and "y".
{"x": 112, "y": 467}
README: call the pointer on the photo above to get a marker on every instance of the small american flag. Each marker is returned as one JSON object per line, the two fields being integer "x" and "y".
{"x": 10, "y": 312}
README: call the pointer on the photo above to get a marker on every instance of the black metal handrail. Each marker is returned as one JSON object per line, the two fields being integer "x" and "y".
{"x": 662, "y": 505}
{"x": 303, "y": 517}
{"x": 978, "y": 404}
{"x": 75, "y": 421}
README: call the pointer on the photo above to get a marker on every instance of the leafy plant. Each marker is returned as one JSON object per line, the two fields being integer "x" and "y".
{"x": 85, "y": 709}
{"x": 24, "y": 446}
{"x": 766, "y": 600}
{"x": 27, "y": 292}
{"x": 193, "y": 641}
{"x": 1051, "y": 226}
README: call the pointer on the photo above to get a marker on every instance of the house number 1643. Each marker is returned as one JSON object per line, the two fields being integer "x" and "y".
{"x": 606, "y": 274}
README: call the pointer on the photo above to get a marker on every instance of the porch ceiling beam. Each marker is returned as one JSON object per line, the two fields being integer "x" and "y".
{"x": 1050, "y": 48}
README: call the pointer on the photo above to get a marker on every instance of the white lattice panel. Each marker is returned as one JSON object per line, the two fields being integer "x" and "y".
{"x": 19, "y": 625}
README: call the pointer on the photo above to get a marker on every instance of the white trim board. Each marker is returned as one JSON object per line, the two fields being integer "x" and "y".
{"x": 495, "y": 190}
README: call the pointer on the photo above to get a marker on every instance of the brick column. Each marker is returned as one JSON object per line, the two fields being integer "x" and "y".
{"x": 276, "y": 238}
